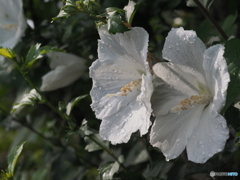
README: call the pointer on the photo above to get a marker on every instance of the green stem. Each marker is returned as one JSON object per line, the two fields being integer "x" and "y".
{"x": 108, "y": 151}
{"x": 210, "y": 18}
{"x": 56, "y": 110}
{"x": 26, "y": 125}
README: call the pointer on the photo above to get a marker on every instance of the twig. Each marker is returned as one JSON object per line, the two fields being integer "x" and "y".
{"x": 210, "y": 18}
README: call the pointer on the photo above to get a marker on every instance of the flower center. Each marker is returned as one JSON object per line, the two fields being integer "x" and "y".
{"x": 8, "y": 27}
{"x": 201, "y": 98}
{"x": 124, "y": 91}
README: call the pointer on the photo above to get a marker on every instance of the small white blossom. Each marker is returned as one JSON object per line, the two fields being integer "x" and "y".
{"x": 67, "y": 68}
{"x": 187, "y": 105}
{"x": 122, "y": 84}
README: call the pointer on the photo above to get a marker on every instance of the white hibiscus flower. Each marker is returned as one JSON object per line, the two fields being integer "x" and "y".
{"x": 187, "y": 105}
{"x": 12, "y": 24}
{"x": 122, "y": 84}
{"x": 67, "y": 68}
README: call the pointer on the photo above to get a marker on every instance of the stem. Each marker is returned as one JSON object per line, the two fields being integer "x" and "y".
{"x": 32, "y": 129}
{"x": 210, "y": 18}
{"x": 108, "y": 151}
{"x": 56, "y": 110}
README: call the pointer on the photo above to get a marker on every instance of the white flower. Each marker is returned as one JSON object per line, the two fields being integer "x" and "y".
{"x": 122, "y": 84}
{"x": 187, "y": 106}
{"x": 12, "y": 22}
{"x": 66, "y": 69}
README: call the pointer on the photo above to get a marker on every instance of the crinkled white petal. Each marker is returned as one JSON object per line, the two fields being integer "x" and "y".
{"x": 184, "y": 48}
{"x": 132, "y": 46}
{"x": 122, "y": 59}
{"x": 68, "y": 68}
{"x": 209, "y": 137}
{"x": 12, "y": 24}
{"x": 217, "y": 76}
{"x": 171, "y": 132}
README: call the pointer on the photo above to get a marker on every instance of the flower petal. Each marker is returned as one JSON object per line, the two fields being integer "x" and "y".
{"x": 208, "y": 138}
{"x": 217, "y": 76}
{"x": 118, "y": 127}
{"x": 122, "y": 59}
{"x": 184, "y": 48}
{"x": 170, "y": 132}
{"x": 68, "y": 68}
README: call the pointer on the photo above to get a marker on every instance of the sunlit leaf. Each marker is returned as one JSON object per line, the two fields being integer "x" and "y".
{"x": 7, "y": 53}
{"x": 36, "y": 52}
{"x": 92, "y": 146}
{"x": 13, "y": 157}
{"x": 30, "y": 98}
{"x": 74, "y": 102}
{"x": 107, "y": 171}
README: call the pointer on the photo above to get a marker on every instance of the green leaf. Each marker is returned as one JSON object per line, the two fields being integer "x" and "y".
{"x": 92, "y": 146}
{"x": 107, "y": 170}
{"x": 229, "y": 23}
{"x": 232, "y": 116}
{"x": 205, "y": 3}
{"x": 84, "y": 130}
{"x": 7, "y": 53}
{"x": 36, "y": 52}
{"x": 30, "y": 98}
{"x": 116, "y": 20}
{"x": 74, "y": 102}
{"x": 13, "y": 157}
{"x": 132, "y": 176}
{"x": 137, "y": 154}
{"x": 232, "y": 55}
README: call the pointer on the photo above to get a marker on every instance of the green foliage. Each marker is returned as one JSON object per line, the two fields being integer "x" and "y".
{"x": 232, "y": 55}
{"x": 12, "y": 161}
{"x": 7, "y": 53}
{"x": 36, "y": 52}
{"x": 107, "y": 171}
{"x": 116, "y": 20}
{"x": 30, "y": 98}
{"x": 74, "y": 102}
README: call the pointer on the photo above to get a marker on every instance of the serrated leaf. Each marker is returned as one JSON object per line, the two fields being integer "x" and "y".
{"x": 232, "y": 55}
{"x": 36, "y": 52}
{"x": 13, "y": 157}
{"x": 7, "y": 53}
{"x": 92, "y": 146}
{"x": 107, "y": 171}
{"x": 30, "y": 98}
{"x": 116, "y": 20}
{"x": 74, "y": 102}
